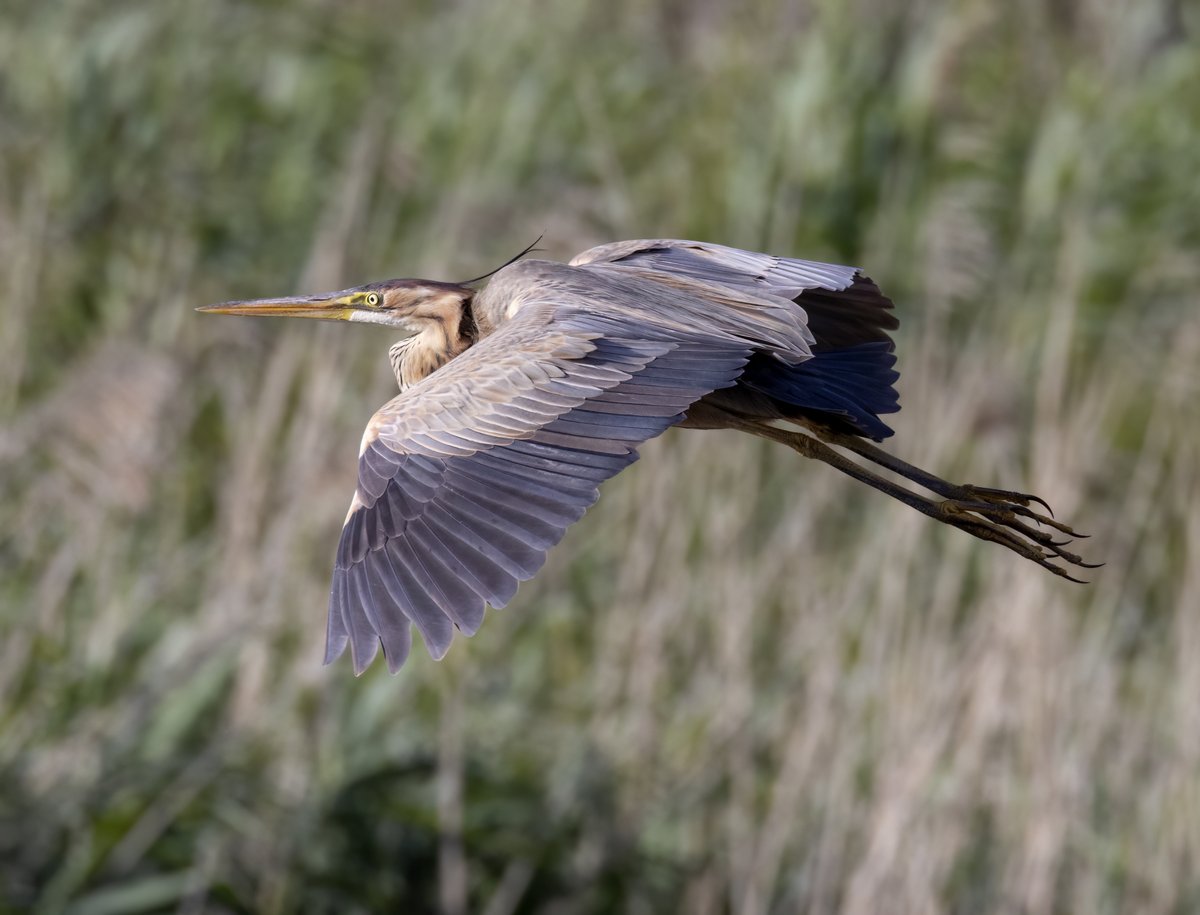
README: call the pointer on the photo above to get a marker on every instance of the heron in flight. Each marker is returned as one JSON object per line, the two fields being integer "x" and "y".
{"x": 518, "y": 399}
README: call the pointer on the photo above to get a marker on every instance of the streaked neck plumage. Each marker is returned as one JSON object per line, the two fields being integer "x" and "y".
{"x": 441, "y": 337}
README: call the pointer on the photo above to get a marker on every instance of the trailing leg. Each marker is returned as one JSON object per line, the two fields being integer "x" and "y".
{"x": 988, "y": 514}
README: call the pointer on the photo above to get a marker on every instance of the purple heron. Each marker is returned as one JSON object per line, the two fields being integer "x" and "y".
{"x": 516, "y": 401}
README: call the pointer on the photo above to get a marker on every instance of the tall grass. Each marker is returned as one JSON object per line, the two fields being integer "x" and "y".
{"x": 741, "y": 684}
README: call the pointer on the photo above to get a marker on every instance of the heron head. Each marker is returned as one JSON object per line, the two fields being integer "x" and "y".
{"x": 410, "y": 304}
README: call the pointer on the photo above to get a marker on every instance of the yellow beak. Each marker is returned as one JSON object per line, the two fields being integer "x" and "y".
{"x": 325, "y": 307}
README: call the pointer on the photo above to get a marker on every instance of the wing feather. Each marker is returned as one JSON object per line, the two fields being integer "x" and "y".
{"x": 395, "y": 634}
{"x": 842, "y": 307}
{"x": 733, "y": 267}
{"x": 426, "y": 542}
{"x": 363, "y": 620}
{"x": 460, "y": 543}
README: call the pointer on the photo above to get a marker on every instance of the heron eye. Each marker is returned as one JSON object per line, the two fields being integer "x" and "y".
{"x": 373, "y": 299}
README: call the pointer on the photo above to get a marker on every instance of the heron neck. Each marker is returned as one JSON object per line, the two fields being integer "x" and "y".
{"x": 439, "y": 341}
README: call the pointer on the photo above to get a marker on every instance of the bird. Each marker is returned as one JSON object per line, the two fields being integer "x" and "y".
{"x": 518, "y": 398}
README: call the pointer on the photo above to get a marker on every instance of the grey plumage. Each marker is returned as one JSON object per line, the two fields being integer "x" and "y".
{"x": 518, "y": 401}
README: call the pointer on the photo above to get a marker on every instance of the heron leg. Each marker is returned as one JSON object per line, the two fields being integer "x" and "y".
{"x": 1007, "y": 500}
{"x": 986, "y": 514}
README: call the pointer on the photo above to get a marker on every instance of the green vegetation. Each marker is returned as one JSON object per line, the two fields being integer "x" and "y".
{"x": 742, "y": 684}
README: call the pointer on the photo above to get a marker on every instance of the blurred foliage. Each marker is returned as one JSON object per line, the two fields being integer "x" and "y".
{"x": 740, "y": 685}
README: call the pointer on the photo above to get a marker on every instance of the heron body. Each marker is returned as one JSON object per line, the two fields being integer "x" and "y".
{"x": 516, "y": 401}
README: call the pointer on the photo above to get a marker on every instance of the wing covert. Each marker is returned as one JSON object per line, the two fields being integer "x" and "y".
{"x": 752, "y": 271}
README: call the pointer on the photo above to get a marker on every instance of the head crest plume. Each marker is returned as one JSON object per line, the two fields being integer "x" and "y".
{"x": 511, "y": 260}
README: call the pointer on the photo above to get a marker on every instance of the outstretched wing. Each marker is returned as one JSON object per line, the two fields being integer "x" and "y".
{"x": 843, "y": 307}
{"x": 470, "y": 476}
{"x": 848, "y": 380}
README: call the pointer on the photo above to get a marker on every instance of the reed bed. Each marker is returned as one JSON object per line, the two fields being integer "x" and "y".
{"x": 742, "y": 684}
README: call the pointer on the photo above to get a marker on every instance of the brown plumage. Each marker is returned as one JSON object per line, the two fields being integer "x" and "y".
{"x": 517, "y": 401}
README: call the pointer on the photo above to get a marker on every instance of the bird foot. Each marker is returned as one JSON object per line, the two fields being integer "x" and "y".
{"x": 999, "y": 515}
{"x": 999, "y": 518}
{"x": 1018, "y": 503}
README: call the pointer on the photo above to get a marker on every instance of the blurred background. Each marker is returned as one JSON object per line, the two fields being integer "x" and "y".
{"x": 743, "y": 683}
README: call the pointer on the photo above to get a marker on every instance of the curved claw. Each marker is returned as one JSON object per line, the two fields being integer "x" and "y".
{"x": 1042, "y": 502}
{"x": 1029, "y": 513}
{"x": 1007, "y": 495}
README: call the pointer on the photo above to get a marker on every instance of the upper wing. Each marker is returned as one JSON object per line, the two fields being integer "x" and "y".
{"x": 842, "y": 307}
{"x": 471, "y": 475}
{"x": 849, "y": 376}
{"x": 763, "y": 273}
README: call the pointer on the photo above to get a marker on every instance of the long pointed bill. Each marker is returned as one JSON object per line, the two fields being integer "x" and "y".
{"x": 334, "y": 307}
